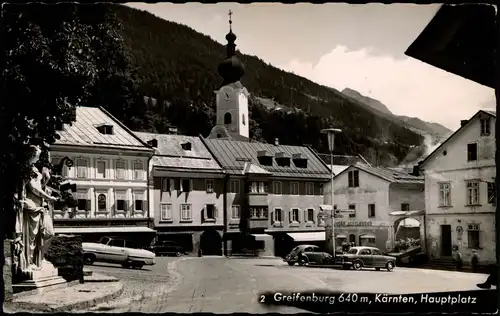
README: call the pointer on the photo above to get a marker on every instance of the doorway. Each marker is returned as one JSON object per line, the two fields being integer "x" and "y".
{"x": 446, "y": 240}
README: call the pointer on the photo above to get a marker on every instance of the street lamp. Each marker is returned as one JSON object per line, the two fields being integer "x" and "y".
{"x": 330, "y": 225}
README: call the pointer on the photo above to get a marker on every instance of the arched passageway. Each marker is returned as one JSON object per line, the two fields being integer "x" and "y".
{"x": 211, "y": 243}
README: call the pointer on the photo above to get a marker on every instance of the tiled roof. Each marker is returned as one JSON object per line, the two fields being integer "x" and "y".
{"x": 83, "y": 131}
{"x": 232, "y": 156}
{"x": 391, "y": 175}
{"x": 169, "y": 152}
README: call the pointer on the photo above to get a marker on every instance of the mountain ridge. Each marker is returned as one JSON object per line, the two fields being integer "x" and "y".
{"x": 178, "y": 66}
{"x": 431, "y": 128}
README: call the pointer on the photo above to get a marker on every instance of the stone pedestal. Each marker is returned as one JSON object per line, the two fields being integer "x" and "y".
{"x": 45, "y": 279}
{"x": 7, "y": 270}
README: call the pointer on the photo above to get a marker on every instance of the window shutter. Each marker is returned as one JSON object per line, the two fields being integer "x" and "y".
{"x": 171, "y": 186}
{"x": 215, "y": 212}
{"x": 191, "y": 185}
{"x": 305, "y": 215}
{"x": 87, "y": 205}
{"x": 290, "y": 216}
{"x": 181, "y": 187}
{"x": 204, "y": 213}
{"x": 145, "y": 205}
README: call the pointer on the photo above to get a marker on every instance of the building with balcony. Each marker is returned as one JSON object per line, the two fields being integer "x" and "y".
{"x": 365, "y": 197}
{"x": 110, "y": 172}
{"x": 460, "y": 191}
{"x": 274, "y": 193}
{"x": 187, "y": 192}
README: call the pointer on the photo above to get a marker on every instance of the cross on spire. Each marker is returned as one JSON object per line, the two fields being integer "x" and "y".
{"x": 230, "y": 16}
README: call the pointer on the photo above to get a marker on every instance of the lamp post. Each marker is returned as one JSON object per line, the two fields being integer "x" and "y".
{"x": 330, "y": 224}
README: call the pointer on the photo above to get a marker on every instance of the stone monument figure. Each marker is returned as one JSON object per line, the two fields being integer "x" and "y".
{"x": 33, "y": 223}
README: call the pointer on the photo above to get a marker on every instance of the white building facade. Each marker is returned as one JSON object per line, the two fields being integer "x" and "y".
{"x": 460, "y": 191}
{"x": 110, "y": 172}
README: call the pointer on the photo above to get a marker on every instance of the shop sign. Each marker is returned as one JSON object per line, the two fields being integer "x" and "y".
{"x": 352, "y": 223}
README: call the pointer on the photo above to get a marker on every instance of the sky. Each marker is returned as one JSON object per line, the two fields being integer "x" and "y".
{"x": 343, "y": 45}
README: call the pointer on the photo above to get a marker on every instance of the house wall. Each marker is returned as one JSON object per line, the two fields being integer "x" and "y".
{"x": 449, "y": 164}
{"x": 198, "y": 197}
{"x": 92, "y": 186}
{"x": 189, "y": 233}
{"x": 371, "y": 190}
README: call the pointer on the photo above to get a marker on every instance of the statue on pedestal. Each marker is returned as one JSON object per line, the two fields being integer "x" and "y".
{"x": 33, "y": 223}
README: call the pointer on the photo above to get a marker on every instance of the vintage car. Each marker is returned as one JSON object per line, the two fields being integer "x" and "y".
{"x": 306, "y": 254}
{"x": 117, "y": 250}
{"x": 168, "y": 247}
{"x": 367, "y": 257}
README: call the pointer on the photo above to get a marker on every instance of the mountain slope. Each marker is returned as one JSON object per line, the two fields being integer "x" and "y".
{"x": 436, "y": 130}
{"x": 376, "y": 104}
{"x": 178, "y": 67}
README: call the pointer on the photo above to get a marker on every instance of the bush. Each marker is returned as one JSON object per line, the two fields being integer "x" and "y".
{"x": 66, "y": 254}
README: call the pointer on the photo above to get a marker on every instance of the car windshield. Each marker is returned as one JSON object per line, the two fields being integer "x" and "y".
{"x": 353, "y": 251}
{"x": 104, "y": 240}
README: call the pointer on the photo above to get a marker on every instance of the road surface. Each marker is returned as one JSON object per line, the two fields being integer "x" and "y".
{"x": 222, "y": 285}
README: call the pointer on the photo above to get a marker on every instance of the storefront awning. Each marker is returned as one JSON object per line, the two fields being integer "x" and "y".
{"x": 340, "y": 236}
{"x": 262, "y": 237}
{"x": 408, "y": 213}
{"x": 367, "y": 236}
{"x": 87, "y": 230}
{"x": 309, "y": 236}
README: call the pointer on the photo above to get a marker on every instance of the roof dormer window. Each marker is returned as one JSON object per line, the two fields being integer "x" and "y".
{"x": 282, "y": 159}
{"x": 153, "y": 143}
{"x": 186, "y": 146}
{"x": 265, "y": 158}
{"x": 299, "y": 160}
{"x": 105, "y": 129}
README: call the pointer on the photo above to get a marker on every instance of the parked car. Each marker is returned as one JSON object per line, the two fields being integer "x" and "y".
{"x": 168, "y": 247}
{"x": 305, "y": 254}
{"x": 367, "y": 257}
{"x": 117, "y": 250}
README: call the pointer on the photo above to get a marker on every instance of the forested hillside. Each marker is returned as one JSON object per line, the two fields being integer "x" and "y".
{"x": 177, "y": 66}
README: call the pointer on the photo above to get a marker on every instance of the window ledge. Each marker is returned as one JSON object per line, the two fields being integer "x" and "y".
{"x": 209, "y": 220}
{"x": 473, "y": 205}
{"x": 294, "y": 224}
{"x": 257, "y": 193}
{"x": 445, "y": 206}
{"x": 166, "y": 220}
{"x": 186, "y": 220}
{"x": 258, "y": 218}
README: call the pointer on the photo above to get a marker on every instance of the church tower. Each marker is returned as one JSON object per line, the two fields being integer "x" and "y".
{"x": 232, "y": 96}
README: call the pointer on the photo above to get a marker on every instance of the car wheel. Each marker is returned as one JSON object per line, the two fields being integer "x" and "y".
{"x": 137, "y": 265}
{"x": 377, "y": 269}
{"x": 358, "y": 265}
{"x": 291, "y": 263}
{"x": 302, "y": 261}
{"x": 178, "y": 254}
{"x": 88, "y": 259}
{"x": 390, "y": 266}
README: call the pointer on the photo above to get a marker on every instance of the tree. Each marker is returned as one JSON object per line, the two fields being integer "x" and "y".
{"x": 51, "y": 66}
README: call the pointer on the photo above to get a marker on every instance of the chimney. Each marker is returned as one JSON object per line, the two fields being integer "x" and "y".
{"x": 172, "y": 130}
{"x": 276, "y": 141}
{"x": 463, "y": 122}
{"x": 416, "y": 171}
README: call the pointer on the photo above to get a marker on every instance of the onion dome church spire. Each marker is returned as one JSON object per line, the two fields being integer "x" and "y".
{"x": 231, "y": 69}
